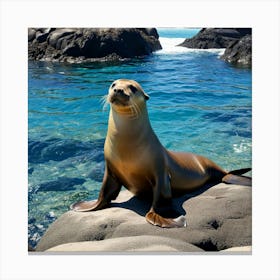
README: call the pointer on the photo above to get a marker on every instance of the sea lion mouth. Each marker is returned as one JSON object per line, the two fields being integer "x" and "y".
{"x": 119, "y": 98}
{"x": 118, "y": 101}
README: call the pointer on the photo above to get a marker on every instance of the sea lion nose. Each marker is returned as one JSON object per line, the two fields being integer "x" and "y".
{"x": 119, "y": 94}
{"x": 119, "y": 91}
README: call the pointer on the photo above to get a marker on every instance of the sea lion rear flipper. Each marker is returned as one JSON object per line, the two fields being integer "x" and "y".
{"x": 155, "y": 219}
{"x": 238, "y": 180}
{"x": 240, "y": 171}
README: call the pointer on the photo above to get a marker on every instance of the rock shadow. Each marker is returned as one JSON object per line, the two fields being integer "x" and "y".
{"x": 142, "y": 205}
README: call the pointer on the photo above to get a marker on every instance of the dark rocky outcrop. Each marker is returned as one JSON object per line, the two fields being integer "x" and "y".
{"x": 209, "y": 38}
{"x": 239, "y": 52}
{"x": 236, "y": 41}
{"x": 217, "y": 219}
{"x": 90, "y": 44}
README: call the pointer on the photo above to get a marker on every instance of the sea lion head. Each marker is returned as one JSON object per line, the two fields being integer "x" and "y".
{"x": 126, "y": 96}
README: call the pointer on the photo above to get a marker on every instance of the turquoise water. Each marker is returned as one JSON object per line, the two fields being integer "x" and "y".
{"x": 197, "y": 103}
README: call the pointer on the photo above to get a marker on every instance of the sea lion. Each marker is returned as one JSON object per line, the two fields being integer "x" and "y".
{"x": 136, "y": 159}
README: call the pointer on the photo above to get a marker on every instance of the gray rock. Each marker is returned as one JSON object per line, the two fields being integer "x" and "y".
{"x": 239, "y": 52}
{"x": 54, "y": 37}
{"x": 217, "y": 219}
{"x": 143, "y": 243}
{"x": 91, "y": 44}
{"x": 31, "y": 34}
{"x": 41, "y": 37}
{"x": 244, "y": 249}
{"x": 208, "y": 38}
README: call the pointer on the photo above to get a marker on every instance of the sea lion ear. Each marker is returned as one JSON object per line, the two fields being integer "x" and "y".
{"x": 147, "y": 97}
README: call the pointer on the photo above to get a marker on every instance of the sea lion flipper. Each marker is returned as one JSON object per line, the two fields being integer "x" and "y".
{"x": 162, "y": 213}
{"x": 84, "y": 206}
{"x": 155, "y": 219}
{"x": 109, "y": 191}
{"x": 237, "y": 179}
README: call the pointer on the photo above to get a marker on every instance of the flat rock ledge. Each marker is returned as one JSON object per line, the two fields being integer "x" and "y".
{"x": 76, "y": 45}
{"x": 217, "y": 219}
{"x": 236, "y": 41}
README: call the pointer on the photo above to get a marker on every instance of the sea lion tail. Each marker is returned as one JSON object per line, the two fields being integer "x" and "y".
{"x": 234, "y": 177}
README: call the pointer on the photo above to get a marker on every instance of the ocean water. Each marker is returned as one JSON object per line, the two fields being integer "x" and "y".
{"x": 198, "y": 103}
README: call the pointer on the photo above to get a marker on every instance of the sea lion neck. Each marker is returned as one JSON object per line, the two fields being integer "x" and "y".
{"x": 127, "y": 136}
{"x": 125, "y": 124}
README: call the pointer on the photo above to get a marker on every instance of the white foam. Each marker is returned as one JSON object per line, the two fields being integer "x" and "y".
{"x": 241, "y": 147}
{"x": 170, "y": 46}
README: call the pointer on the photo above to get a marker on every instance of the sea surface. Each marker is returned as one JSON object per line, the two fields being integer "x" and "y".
{"x": 198, "y": 103}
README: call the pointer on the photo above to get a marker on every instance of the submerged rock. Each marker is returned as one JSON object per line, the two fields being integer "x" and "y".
{"x": 60, "y": 149}
{"x": 97, "y": 171}
{"x": 90, "y": 44}
{"x": 217, "y": 219}
{"x": 61, "y": 184}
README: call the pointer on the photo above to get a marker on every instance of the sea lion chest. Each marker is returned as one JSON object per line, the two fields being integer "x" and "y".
{"x": 132, "y": 160}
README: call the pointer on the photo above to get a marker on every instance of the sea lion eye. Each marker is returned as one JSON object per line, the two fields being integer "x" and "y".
{"x": 133, "y": 88}
{"x": 113, "y": 85}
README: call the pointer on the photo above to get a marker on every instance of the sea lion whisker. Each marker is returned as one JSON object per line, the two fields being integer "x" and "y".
{"x": 103, "y": 99}
{"x": 104, "y": 102}
{"x": 133, "y": 110}
{"x": 136, "y": 108}
{"x": 137, "y": 111}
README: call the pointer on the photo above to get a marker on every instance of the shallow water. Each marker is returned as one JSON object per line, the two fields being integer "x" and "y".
{"x": 197, "y": 103}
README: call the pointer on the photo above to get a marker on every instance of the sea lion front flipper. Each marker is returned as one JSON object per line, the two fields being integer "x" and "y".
{"x": 109, "y": 191}
{"x": 155, "y": 219}
{"x": 162, "y": 213}
{"x": 84, "y": 206}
